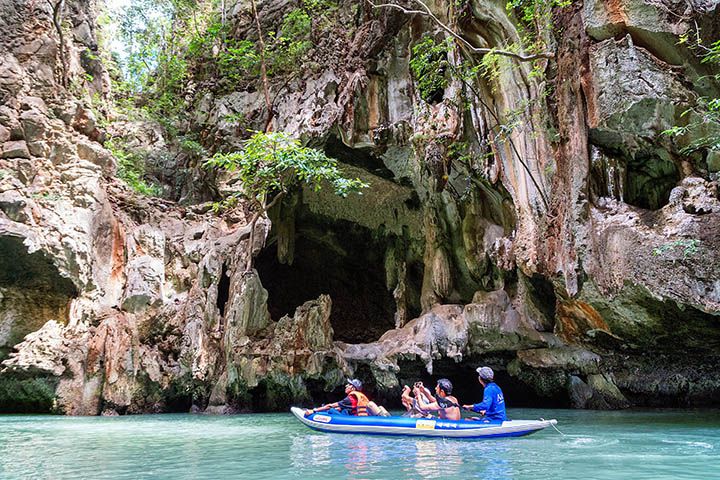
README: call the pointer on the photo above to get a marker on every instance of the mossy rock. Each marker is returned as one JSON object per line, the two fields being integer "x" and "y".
{"x": 184, "y": 393}
{"x": 27, "y": 395}
{"x": 238, "y": 395}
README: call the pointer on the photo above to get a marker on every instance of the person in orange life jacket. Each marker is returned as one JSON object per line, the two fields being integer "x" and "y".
{"x": 445, "y": 404}
{"x": 355, "y": 403}
{"x": 493, "y": 403}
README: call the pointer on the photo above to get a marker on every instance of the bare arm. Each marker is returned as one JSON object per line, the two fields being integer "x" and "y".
{"x": 324, "y": 408}
{"x": 327, "y": 407}
{"x": 428, "y": 394}
{"x": 428, "y": 407}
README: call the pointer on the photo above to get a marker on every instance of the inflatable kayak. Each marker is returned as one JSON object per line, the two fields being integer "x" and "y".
{"x": 419, "y": 427}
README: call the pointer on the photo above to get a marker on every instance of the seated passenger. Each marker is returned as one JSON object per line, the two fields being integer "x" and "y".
{"x": 377, "y": 410}
{"x": 493, "y": 403}
{"x": 411, "y": 404}
{"x": 445, "y": 404}
{"x": 355, "y": 403}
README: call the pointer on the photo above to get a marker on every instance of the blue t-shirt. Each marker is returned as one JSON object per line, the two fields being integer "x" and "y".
{"x": 493, "y": 403}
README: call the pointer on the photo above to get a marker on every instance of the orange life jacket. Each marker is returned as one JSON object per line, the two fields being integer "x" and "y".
{"x": 360, "y": 409}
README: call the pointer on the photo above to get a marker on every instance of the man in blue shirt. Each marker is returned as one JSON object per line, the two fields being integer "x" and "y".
{"x": 493, "y": 403}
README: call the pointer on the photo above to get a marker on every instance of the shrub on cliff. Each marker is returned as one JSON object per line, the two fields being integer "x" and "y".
{"x": 272, "y": 164}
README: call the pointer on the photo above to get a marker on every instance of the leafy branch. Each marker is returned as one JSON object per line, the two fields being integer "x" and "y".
{"x": 690, "y": 247}
{"x": 271, "y": 164}
{"x": 703, "y": 119}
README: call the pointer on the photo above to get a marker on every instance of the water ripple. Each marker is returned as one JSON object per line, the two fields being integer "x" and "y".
{"x": 602, "y": 445}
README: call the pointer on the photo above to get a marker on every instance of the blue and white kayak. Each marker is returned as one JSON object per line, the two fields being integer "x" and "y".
{"x": 419, "y": 427}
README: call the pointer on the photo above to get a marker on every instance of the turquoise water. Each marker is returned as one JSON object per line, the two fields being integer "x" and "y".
{"x": 596, "y": 445}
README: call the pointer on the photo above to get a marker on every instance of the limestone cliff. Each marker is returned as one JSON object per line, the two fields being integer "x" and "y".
{"x": 579, "y": 256}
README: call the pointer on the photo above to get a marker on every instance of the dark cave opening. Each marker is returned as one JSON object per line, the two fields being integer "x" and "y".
{"x": 466, "y": 387}
{"x": 649, "y": 181}
{"x": 223, "y": 290}
{"x": 345, "y": 262}
{"x": 542, "y": 297}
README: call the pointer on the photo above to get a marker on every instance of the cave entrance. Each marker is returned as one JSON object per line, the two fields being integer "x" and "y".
{"x": 342, "y": 260}
{"x": 650, "y": 179}
{"x": 223, "y": 290}
{"x": 32, "y": 291}
{"x": 466, "y": 387}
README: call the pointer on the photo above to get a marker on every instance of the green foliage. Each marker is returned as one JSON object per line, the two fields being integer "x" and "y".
{"x": 131, "y": 169}
{"x": 202, "y": 43}
{"x": 460, "y": 152}
{"x": 534, "y": 10}
{"x": 192, "y": 147}
{"x": 296, "y": 24}
{"x": 226, "y": 204}
{"x": 429, "y": 64}
{"x": 237, "y": 118}
{"x": 319, "y": 7}
{"x": 712, "y": 55}
{"x": 535, "y": 22}
{"x": 690, "y": 247}
{"x": 239, "y": 60}
{"x": 171, "y": 42}
{"x": 273, "y": 163}
{"x": 702, "y": 128}
{"x": 491, "y": 66}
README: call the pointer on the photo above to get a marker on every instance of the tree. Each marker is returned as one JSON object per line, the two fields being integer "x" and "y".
{"x": 272, "y": 164}
{"x": 58, "y": 8}
{"x": 263, "y": 69}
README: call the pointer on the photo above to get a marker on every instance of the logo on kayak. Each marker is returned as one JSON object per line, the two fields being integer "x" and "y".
{"x": 425, "y": 424}
{"x": 322, "y": 418}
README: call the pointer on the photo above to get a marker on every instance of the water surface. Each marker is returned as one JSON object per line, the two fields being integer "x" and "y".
{"x": 596, "y": 445}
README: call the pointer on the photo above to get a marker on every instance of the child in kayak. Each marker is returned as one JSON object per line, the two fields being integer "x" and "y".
{"x": 492, "y": 406}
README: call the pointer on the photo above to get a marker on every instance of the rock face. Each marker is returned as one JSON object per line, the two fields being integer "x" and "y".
{"x": 579, "y": 257}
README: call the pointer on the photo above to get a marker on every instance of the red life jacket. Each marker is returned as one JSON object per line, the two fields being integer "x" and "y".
{"x": 361, "y": 403}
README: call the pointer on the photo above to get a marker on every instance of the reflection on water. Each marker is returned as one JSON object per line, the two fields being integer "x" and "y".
{"x": 427, "y": 458}
{"x": 313, "y": 450}
{"x": 435, "y": 458}
{"x": 367, "y": 456}
{"x": 597, "y": 445}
